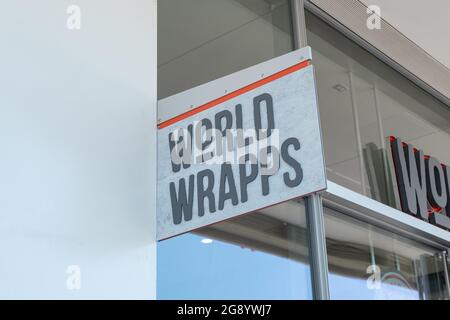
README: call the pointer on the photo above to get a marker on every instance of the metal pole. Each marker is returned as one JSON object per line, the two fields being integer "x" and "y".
{"x": 298, "y": 23}
{"x": 357, "y": 130}
{"x": 314, "y": 209}
{"x": 317, "y": 247}
{"x": 446, "y": 276}
{"x": 372, "y": 248}
{"x": 385, "y": 150}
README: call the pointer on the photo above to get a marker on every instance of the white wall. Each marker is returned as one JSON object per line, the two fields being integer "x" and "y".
{"x": 77, "y": 149}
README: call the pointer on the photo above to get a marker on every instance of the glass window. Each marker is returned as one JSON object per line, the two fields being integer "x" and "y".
{"x": 202, "y": 40}
{"x": 367, "y": 262}
{"x": 261, "y": 255}
{"x": 362, "y": 102}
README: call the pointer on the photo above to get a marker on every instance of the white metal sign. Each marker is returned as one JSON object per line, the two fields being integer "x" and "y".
{"x": 250, "y": 147}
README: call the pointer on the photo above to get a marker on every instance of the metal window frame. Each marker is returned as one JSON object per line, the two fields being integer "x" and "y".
{"x": 371, "y": 211}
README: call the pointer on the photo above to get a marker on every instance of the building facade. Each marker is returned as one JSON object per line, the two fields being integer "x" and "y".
{"x": 78, "y": 127}
{"x": 364, "y": 247}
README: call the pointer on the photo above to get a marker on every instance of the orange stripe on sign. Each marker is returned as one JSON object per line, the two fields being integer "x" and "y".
{"x": 234, "y": 94}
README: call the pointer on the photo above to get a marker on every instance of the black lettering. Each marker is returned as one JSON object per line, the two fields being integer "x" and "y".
{"x": 410, "y": 172}
{"x": 265, "y": 184}
{"x": 241, "y": 141}
{"x": 221, "y": 144}
{"x": 207, "y": 192}
{"x": 228, "y": 116}
{"x": 239, "y": 118}
{"x": 442, "y": 219}
{"x": 227, "y": 178}
{"x": 184, "y": 202}
{"x": 245, "y": 179}
{"x": 291, "y": 162}
{"x": 257, "y": 101}
{"x": 207, "y": 124}
{"x": 447, "y": 183}
{"x": 183, "y": 145}
{"x": 437, "y": 192}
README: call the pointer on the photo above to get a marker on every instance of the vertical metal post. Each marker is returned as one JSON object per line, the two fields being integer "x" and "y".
{"x": 357, "y": 131}
{"x": 387, "y": 174}
{"x": 314, "y": 207}
{"x": 317, "y": 247}
{"x": 379, "y": 118}
{"x": 419, "y": 278}
{"x": 373, "y": 261}
{"x": 298, "y": 23}
{"x": 446, "y": 276}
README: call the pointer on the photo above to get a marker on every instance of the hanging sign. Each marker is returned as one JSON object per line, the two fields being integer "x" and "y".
{"x": 244, "y": 142}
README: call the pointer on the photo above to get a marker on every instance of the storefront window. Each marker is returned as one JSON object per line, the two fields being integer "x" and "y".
{"x": 202, "y": 40}
{"x": 362, "y": 102}
{"x": 262, "y": 255}
{"x": 366, "y": 262}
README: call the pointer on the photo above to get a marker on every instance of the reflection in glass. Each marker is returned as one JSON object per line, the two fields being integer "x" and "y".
{"x": 363, "y": 101}
{"x": 262, "y": 255}
{"x": 202, "y": 40}
{"x": 259, "y": 255}
{"x": 366, "y": 262}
